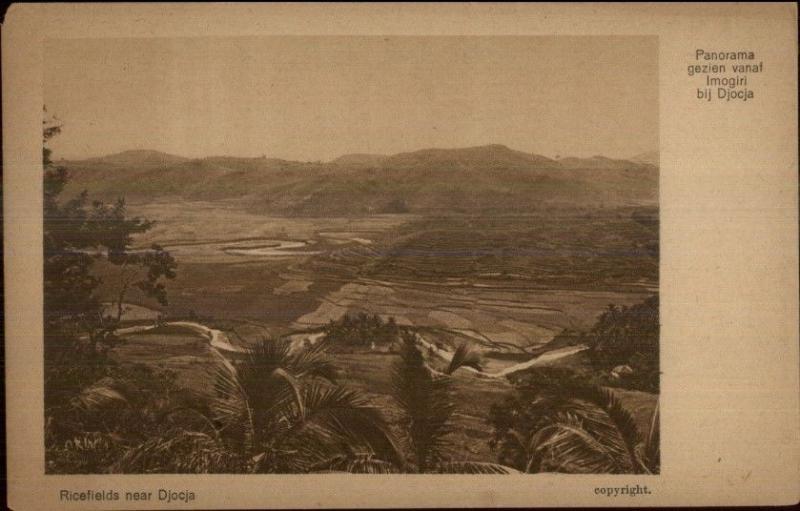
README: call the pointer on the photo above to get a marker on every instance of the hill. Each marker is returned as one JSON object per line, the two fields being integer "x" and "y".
{"x": 595, "y": 162}
{"x": 472, "y": 179}
{"x": 649, "y": 157}
{"x": 359, "y": 160}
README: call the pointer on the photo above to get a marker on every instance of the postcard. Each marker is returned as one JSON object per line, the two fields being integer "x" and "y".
{"x": 400, "y": 255}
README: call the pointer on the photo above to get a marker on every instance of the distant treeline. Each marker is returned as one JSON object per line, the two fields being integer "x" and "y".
{"x": 362, "y": 329}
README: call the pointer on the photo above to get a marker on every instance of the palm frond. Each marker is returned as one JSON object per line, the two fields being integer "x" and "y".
{"x": 293, "y": 385}
{"x": 270, "y": 365}
{"x": 571, "y": 449}
{"x": 584, "y": 428}
{"x": 472, "y": 467}
{"x": 464, "y": 356}
{"x": 178, "y": 451}
{"x": 336, "y": 420}
{"x": 652, "y": 443}
{"x": 596, "y": 422}
{"x": 622, "y": 419}
{"x": 269, "y": 354}
{"x": 313, "y": 362}
{"x": 230, "y": 404}
{"x": 190, "y": 418}
{"x": 266, "y": 355}
{"x": 355, "y": 464}
{"x": 102, "y": 395}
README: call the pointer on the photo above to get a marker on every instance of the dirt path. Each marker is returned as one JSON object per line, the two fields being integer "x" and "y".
{"x": 219, "y": 340}
{"x": 545, "y": 357}
{"x": 216, "y": 338}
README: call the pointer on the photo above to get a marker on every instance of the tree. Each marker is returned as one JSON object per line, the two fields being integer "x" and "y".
{"x": 427, "y": 402}
{"x": 77, "y": 233}
{"x": 275, "y": 411}
{"x": 156, "y": 263}
{"x": 628, "y": 336}
{"x": 360, "y": 331}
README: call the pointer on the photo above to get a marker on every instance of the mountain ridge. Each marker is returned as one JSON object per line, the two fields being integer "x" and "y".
{"x": 467, "y": 179}
{"x": 151, "y": 156}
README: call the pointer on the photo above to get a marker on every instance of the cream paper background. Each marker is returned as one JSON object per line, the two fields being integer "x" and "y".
{"x": 729, "y": 255}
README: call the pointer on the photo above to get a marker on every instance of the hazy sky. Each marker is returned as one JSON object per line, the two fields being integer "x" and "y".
{"x": 316, "y": 98}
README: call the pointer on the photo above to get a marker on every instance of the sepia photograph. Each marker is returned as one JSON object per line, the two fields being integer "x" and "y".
{"x": 400, "y": 255}
{"x": 351, "y": 254}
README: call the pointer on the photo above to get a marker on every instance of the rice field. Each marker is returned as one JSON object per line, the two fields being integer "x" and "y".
{"x": 505, "y": 282}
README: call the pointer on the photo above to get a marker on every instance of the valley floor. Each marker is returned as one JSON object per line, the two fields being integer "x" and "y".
{"x": 507, "y": 286}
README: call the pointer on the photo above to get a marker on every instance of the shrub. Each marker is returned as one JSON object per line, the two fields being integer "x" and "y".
{"x": 628, "y": 336}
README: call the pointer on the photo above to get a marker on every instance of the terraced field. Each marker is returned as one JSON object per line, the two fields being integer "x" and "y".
{"x": 561, "y": 249}
{"x": 507, "y": 283}
{"x": 495, "y": 320}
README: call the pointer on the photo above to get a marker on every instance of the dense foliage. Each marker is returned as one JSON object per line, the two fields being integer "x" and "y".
{"x": 273, "y": 411}
{"x": 561, "y": 419}
{"x": 628, "y": 336}
{"x": 89, "y": 426}
{"x": 556, "y": 422}
{"x": 77, "y": 234}
{"x": 361, "y": 330}
{"x": 427, "y": 402}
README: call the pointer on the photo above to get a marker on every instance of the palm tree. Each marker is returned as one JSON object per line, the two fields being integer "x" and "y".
{"x": 277, "y": 410}
{"x": 586, "y": 429}
{"x": 426, "y": 400}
